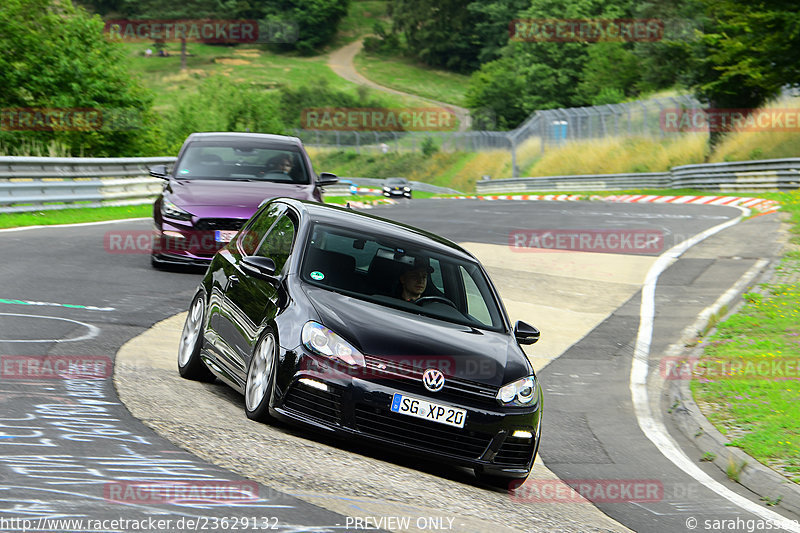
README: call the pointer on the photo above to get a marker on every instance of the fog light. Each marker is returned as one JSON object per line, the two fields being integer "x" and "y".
{"x": 314, "y": 384}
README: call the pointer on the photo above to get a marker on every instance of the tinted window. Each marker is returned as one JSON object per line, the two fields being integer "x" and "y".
{"x": 370, "y": 267}
{"x": 252, "y": 235}
{"x": 277, "y": 245}
{"x": 242, "y": 160}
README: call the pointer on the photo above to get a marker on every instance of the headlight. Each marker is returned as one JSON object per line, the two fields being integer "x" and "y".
{"x": 521, "y": 392}
{"x": 407, "y": 189}
{"x": 387, "y": 189}
{"x": 168, "y": 209}
{"x": 323, "y": 341}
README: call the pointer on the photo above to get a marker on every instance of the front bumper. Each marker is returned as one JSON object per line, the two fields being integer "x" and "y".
{"x": 394, "y": 192}
{"x": 353, "y": 407}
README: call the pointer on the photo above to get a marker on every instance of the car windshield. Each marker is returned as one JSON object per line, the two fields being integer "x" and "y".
{"x": 378, "y": 268}
{"x": 242, "y": 160}
{"x": 396, "y": 181}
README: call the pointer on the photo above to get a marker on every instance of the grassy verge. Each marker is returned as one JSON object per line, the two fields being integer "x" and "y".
{"x": 407, "y": 76}
{"x": 458, "y": 170}
{"x": 242, "y": 64}
{"x": 73, "y": 216}
{"x": 748, "y": 379}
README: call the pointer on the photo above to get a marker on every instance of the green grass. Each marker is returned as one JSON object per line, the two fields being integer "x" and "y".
{"x": 410, "y": 77}
{"x": 242, "y": 64}
{"x": 72, "y": 216}
{"x": 749, "y": 373}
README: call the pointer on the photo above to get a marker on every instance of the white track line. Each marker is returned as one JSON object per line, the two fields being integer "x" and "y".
{"x": 76, "y": 225}
{"x": 655, "y": 431}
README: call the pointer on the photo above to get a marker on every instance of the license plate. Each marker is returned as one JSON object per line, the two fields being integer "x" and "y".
{"x": 406, "y": 405}
{"x": 224, "y": 235}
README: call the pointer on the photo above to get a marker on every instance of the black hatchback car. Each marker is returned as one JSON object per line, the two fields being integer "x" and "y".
{"x": 367, "y": 328}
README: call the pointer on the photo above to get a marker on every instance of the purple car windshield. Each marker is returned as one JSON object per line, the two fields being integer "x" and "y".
{"x": 237, "y": 161}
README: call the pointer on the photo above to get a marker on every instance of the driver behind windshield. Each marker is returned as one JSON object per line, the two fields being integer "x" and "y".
{"x": 280, "y": 163}
{"x": 414, "y": 279}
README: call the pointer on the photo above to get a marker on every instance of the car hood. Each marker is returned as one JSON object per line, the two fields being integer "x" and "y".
{"x": 488, "y": 357}
{"x": 245, "y": 194}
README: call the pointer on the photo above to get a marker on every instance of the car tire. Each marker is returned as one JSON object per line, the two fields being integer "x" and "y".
{"x": 260, "y": 375}
{"x": 190, "y": 365}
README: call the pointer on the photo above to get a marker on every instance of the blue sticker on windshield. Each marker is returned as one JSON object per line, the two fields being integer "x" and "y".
{"x": 184, "y": 171}
{"x": 317, "y": 275}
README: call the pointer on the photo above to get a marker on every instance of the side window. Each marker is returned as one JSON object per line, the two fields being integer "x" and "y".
{"x": 253, "y": 234}
{"x": 436, "y": 275}
{"x": 278, "y": 243}
{"x": 476, "y": 306}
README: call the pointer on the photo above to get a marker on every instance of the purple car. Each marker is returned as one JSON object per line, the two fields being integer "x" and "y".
{"x": 217, "y": 183}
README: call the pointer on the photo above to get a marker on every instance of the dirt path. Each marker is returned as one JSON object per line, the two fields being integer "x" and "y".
{"x": 341, "y": 62}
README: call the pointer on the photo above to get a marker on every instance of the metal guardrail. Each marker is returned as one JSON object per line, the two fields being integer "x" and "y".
{"x": 593, "y": 182}
{"x": 765, "y": 175}
{"x": 48, "y": 183}
{"x": 377, "y": 183}
{"x": 43, "y": 183}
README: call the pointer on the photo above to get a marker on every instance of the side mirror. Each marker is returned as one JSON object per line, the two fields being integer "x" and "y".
{"x": 259, "y": 267}
{"x": 326, "y": 178}
{"x": 525, "y": 333}
{"x": 159, "y": 171}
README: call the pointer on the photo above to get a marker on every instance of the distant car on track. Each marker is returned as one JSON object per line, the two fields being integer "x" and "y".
{"x": 307, "y": 312}
{"x": 217, "y": 183}
{"x": 397, "y": 187}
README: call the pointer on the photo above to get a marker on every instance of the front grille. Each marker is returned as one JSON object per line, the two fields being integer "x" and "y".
{"x": 220, "y": 223}
{"x": 515, "y": 451}
{"x": 461, "y": 388}
{"x": 325, "y": 406}
{"x": 420, "y": 433}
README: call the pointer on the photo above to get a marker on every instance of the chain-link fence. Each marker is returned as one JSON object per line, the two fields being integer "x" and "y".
{"x": 542, "y": 130}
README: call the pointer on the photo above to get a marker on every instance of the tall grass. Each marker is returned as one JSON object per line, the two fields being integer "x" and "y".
{"x": 34, "y": 148}
{"x": 619, "y": 155}
{"x": 743, "y": 146}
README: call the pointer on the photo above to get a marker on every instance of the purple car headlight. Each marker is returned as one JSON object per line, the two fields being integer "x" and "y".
{"x": 170, "y": 210}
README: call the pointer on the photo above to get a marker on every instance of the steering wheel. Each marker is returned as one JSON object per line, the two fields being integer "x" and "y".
{"x": 440, "y": 299}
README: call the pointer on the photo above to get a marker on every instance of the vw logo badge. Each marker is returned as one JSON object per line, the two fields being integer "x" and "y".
{"x": 433, "y": 379}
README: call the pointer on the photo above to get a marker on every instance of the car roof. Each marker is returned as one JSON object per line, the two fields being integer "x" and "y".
{"x": 244, "y": 136}
{"x": 357, "y": 220}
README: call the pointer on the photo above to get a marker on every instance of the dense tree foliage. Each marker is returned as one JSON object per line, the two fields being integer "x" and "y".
{"x": 747, "y": 52}
{"x": 454, "y": 35}
{"x": 55, "y": 57}
{"x": 243, "y": 108}
{"x": 309, "y": 24}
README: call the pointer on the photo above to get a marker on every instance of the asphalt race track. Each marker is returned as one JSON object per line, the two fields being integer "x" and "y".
{"x": 72, "y": 450}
